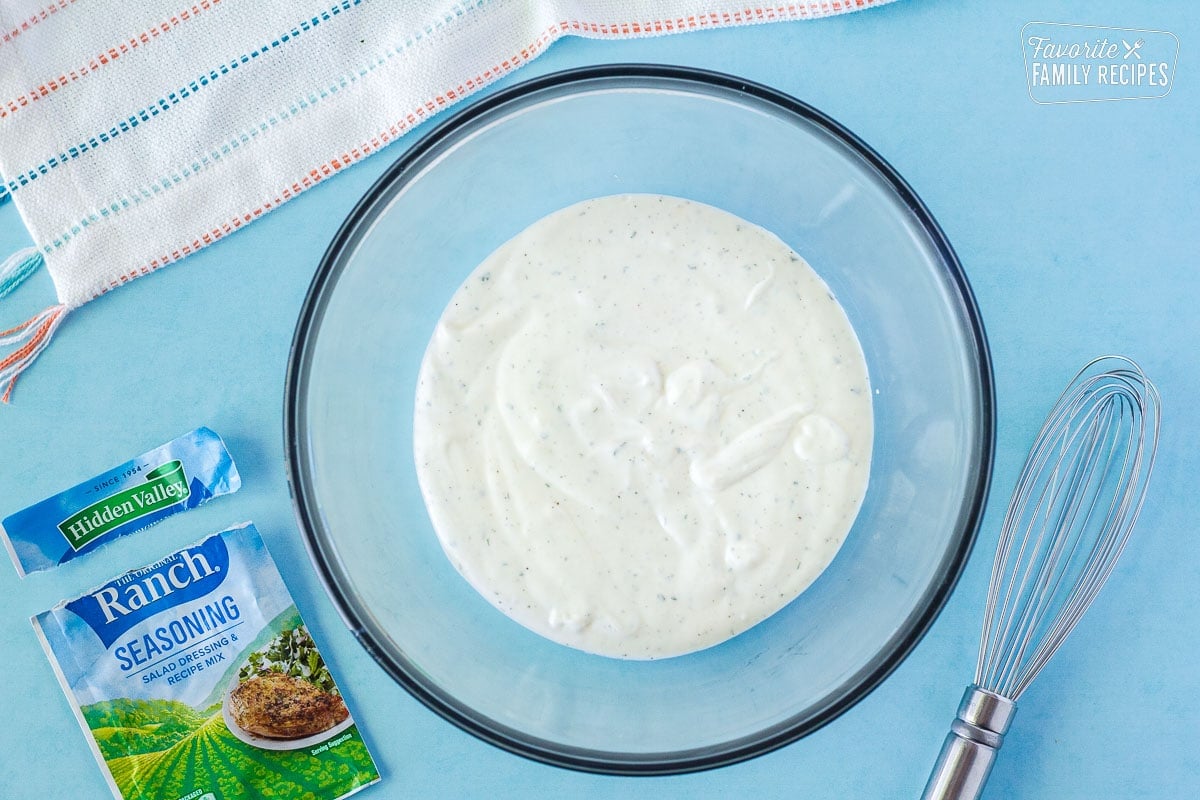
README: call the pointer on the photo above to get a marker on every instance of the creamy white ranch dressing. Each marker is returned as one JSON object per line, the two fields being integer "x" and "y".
{"x": 642, "y": 426}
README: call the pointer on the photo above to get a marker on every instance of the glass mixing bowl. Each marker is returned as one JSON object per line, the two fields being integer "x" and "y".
{"x": 473, "y": 183}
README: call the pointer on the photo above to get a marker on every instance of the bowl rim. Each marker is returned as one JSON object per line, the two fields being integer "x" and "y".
{"x": 305, "y": 504}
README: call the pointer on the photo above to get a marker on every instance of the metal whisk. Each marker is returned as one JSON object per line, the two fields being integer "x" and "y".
{"x": 1070, "y": 516}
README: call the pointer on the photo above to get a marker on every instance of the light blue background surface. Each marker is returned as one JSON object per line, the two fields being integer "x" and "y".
{"x": 1078, "y": 228}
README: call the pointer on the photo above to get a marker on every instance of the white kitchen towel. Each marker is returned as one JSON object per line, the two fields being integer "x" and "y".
{"x": 135, "y": 133}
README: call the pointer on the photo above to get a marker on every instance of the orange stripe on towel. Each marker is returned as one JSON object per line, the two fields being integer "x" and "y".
{"x": 45, "y": 13}
{"x": 104, "y": 57}
{"x": 518, "y": 58}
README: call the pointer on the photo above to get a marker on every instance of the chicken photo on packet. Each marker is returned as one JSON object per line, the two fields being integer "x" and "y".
{"x": 285, "y": 692}
{"x": 279, "y": 706}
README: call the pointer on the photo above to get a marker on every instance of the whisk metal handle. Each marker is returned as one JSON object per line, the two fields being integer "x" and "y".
{"x": 970, "y": 748}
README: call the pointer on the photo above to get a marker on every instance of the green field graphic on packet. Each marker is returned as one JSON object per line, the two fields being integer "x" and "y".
{"x": 194, "y": 678}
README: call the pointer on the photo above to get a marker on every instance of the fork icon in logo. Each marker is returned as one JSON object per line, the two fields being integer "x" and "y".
{"x": 1132, "y": 49}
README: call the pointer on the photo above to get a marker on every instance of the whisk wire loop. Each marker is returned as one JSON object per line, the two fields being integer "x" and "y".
{"x": 1075, "y": 502}
{"x": 1073, "y": 496}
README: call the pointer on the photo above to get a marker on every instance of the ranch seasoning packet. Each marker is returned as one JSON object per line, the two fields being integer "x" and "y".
{"x": 194, "y": 678}
{"x": 180, "y": 475}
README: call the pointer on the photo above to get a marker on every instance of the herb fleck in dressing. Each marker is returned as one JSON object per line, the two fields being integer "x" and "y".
{"x": 642, "y": 426}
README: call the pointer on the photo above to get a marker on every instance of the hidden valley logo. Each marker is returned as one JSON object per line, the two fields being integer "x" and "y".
{"x": 164, "y": 486}
{"x": 1067, "y": 63}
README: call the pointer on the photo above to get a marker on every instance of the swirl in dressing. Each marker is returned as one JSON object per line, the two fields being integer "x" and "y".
{"x": 642, "y": 426}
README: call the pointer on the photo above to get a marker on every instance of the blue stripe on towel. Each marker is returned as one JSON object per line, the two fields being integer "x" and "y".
{"x": 172, "y": 99}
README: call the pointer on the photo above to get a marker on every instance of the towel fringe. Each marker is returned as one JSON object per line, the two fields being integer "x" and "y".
{"x": 17, "y": 267}
{"x": 33, "y": 336}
